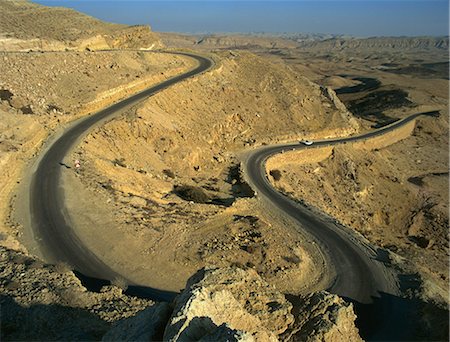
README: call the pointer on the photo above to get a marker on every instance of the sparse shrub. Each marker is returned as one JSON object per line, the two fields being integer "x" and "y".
{"x": 12, "y": 285}
{"x": 5, "y": 95}
{"x": 53, "y": 108}
{"x": 248, "y": 248}
{"x": 74, "y": 297}
{"x": 276, "y": 174}
{"x": 169, "y": 173}
{"x": 120, "y": 282}
{"x": 108, "y": 186}
{"x": 119, "y": 162}
{"x": 192, "y": 193}
{"x": 294, "y": 259}
{"x": 26, "y": 110}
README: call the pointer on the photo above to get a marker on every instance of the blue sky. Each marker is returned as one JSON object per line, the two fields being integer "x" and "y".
{"x": 355, "y": 17}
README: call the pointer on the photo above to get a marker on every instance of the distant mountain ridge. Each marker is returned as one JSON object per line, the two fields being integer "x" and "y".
{"x": 377, "y": 42}
{"x": 302, "y": 40}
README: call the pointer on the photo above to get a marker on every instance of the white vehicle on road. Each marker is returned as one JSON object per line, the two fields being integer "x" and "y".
{"x": 306, "y": 142}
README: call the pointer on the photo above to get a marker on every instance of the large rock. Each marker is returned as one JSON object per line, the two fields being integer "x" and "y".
{"x": 323, "y": 317}
{"x": 250, "y": 308}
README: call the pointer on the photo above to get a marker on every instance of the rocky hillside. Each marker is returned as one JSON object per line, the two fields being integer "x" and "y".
{"x": 25, "y": 25}
{"x": 40, "y": 92}
{"x": 46, "y": 302}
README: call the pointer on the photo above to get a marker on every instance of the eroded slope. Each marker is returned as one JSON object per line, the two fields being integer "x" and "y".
{"x": 188, "y": 136}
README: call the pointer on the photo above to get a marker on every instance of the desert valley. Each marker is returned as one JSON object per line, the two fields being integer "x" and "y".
{"x": 229, "y": 203}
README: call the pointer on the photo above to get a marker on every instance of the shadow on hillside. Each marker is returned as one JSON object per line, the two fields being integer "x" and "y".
{"x": 96, "y": 284}
{"x": 239, "y": 187}
{"x": 48, "y": 322}
{"x": 393, "y": 318}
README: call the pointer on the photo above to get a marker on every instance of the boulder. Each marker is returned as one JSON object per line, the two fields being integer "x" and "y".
{"x": 250, "y": 308}
{"x": 322, "y": 316}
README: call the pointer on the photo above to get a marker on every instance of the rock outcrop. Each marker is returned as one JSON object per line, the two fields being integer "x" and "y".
{"x": 218, "y": 304}
{"x": 323, "y": 316}
{"x": 233, "y": 304}
{"x": 148, "y": 325}
{"x": 45, "y": 302}
{"x": 232, "y": 296}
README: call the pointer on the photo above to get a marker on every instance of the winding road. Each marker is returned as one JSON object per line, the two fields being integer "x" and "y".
{"x": 360, "y": 273}
{"x": 359, "y": 276}
{"x": 49, "y": 220}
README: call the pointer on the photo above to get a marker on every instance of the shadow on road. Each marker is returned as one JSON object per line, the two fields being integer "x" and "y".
{"x": 96, "y": 284}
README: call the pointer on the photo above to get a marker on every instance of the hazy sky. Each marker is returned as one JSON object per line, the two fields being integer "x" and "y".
{"x": 356, "y": 17}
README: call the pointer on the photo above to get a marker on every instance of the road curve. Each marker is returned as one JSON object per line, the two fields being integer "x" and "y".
{"x": 58, "y": 242}
{"x": 360, "y": 275}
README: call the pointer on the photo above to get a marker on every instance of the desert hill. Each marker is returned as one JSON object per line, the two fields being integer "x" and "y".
{"x": 204, "y": 122}
{"x": 160, "y": 193}
{"x": 25, "y": 25}
{"x": 40, "y": 92}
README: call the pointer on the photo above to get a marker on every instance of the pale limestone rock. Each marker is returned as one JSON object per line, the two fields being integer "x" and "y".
{"x": 237, "y": 297}
{"x": 323, "y": 317}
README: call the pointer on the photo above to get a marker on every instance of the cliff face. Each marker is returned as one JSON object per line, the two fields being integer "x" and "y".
{"x": 24, "y": 26}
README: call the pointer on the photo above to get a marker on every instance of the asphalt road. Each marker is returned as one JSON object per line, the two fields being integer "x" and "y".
{"x": 360, "y": 274}
{"x": 58, "y": 242}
